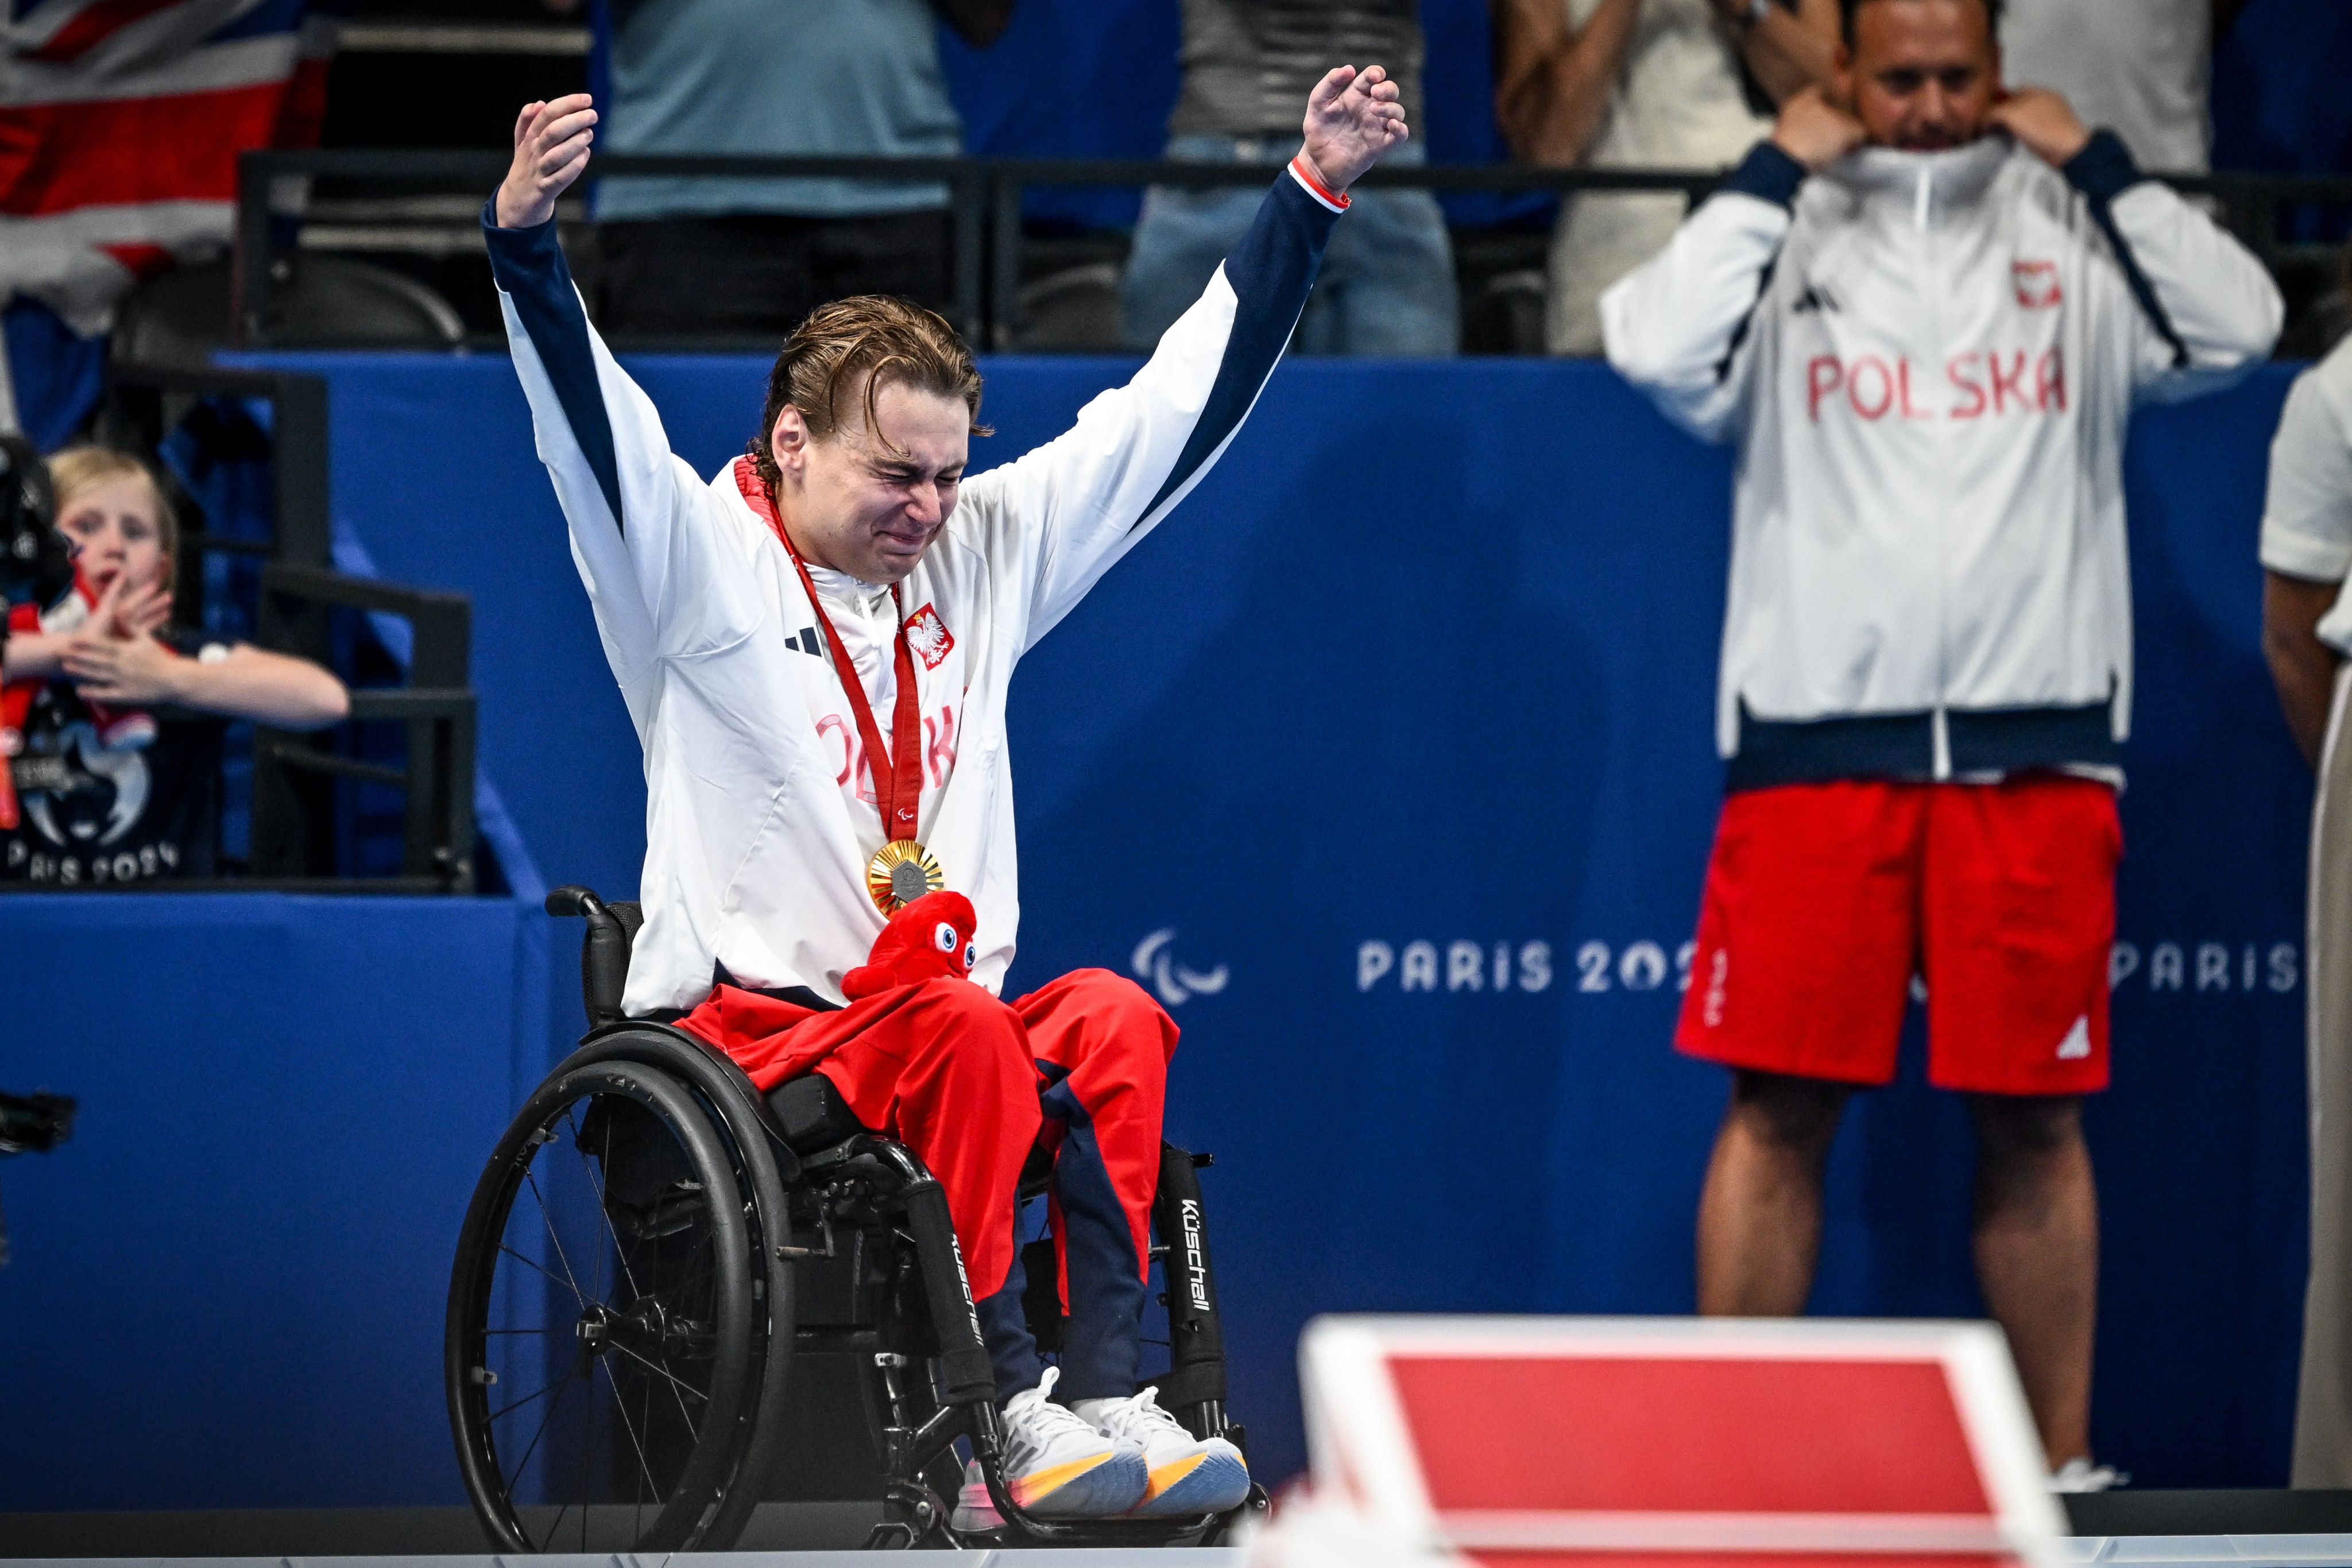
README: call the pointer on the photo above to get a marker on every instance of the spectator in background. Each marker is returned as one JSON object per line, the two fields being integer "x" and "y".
{"x": 1924, "y": 320}
{"x": 104, "y": 788}
{"x": 1623, "y": 84}
{"x": 746, "y": 257}
{"x": 2141, "y": 68}
{"x": 1387, "y": 285}
{"x": 2306, "y": 553}
{"x": 90, "y": 91}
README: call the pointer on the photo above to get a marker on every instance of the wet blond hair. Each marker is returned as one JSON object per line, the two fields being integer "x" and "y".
{"x": 78, "y": 469}
{"x": 888, "y": 342}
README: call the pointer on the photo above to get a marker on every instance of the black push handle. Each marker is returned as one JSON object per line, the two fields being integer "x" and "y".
{"x": 603, "y": 953}
{"x": 572, "y": 899}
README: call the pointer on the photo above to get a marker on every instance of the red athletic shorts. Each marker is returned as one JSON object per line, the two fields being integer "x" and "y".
{"x": 1823, "y": 900}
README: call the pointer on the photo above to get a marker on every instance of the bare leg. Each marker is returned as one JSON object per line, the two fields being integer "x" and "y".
{"x": 2037, "y": 1245}
{"x": 1760, "y": 1215}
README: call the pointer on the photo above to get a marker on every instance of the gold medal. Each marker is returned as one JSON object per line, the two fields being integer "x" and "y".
{"x": 901, "y": 871}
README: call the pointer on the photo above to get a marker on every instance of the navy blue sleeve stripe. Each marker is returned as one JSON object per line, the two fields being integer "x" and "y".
{"x": 2102, "y": 170}
{"x": 1768, "y": 173}
{"x": 1271, "y": 271}
{"x": 529, "y": 265}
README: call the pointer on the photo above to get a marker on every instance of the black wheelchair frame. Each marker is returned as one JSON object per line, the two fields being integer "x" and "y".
{"x": 708, "y": 1196}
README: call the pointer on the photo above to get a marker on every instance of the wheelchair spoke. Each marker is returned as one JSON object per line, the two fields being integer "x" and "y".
{"x": 528, "y": 1263}
{"x": 646, "y": 1418}
{"x": 540, "y": 1432}
{"x": 679, "y": 1389}
{"x": 621, "y": 1409}
{"x": 553, "y": 1525}
{"x": 508, "y": 1409}
{"x": 596, "y": 1181}
{"x": 547, "y": 1219}
{"x": 596, "y": 1186}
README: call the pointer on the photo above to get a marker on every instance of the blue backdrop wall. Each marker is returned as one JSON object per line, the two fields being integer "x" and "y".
{"x": 227, "y": 1286}
{"x": 1425, "y": 1023}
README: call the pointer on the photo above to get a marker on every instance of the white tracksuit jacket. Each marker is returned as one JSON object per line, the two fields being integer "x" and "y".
{"x": 759, "y": 818}
{"x": 1927, "y": 361}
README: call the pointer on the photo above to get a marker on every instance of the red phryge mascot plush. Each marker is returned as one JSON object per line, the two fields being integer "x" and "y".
{"x": 773, "y": 1040}
{"x": 929, "y": 939}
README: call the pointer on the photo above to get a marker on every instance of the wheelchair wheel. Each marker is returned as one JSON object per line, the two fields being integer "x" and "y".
{"x": 601, "y": 1334}
{"x": 754, "y": 1150}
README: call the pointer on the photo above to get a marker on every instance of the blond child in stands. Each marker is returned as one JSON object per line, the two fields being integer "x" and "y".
{"x": 110, "y": 720}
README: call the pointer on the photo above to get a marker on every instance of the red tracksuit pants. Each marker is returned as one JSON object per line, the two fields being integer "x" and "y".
{"x": 971, "y": 1084}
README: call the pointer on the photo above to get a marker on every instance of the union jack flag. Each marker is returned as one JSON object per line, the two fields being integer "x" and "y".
{"x": 121, "y": 121}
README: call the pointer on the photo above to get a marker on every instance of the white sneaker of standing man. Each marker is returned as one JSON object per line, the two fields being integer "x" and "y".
{"x": 1189, "y": 1474}
{"x": 1057, "y": 1464}
{"x": 2080, "y": 1475}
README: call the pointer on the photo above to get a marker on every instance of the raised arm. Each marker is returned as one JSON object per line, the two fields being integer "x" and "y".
{"x": 2208, "y": 313}
{"x": 1553, "y": 80}
{"x": 633, "y": 508}
{"x": 1063, "y": 514}
{"x": 1675, "y": 325}
{"x": 1787, "y": 47}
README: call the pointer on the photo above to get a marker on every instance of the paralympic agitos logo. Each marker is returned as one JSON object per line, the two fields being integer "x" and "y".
{"x": 1174, "y": 983}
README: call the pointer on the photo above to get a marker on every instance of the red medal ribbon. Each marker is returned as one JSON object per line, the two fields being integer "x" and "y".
{"x": 898, "y": 795}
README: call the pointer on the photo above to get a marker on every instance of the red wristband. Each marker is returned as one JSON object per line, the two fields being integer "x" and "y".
{"x": 1307, "y": 177}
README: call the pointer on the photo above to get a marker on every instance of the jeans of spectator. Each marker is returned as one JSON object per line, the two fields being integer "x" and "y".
{"x": 756, "y": 275}
{"x": 1387, "y": 285}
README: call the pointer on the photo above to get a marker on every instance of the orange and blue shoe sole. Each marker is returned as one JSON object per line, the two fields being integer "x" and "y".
{"x": 1210, "y": 1482}
{"x": 1100, "y": 1486}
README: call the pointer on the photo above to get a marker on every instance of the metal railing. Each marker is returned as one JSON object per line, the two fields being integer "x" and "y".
{"x": 293, "y": 806}
{"x": 985, "y": 195}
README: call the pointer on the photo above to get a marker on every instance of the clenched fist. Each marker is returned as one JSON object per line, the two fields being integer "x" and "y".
{"x": 550, "y": 148}
{"x": 2042, "y": 122}
{"x": 1815, "y": 132}
{"x": 1352, "y": 117}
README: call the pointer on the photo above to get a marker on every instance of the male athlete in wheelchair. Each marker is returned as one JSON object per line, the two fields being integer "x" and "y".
{"x": 784, "y": 1104}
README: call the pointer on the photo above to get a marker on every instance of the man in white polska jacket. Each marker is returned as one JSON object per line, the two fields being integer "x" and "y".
{"x": 815, "y": 648}
{"x": 1924, "y": 312}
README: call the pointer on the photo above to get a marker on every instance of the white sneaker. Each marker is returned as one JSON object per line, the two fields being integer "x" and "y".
{"x": 1189, "y": 1474}
{"x": 2079, "y": 1475}
{"x": 1056, "y": 1466}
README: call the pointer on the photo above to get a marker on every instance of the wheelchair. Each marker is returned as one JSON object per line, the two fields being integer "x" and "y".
{"x": 654, "y": 1242}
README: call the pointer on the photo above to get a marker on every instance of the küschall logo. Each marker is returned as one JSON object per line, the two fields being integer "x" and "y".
{"x": 1174, "y": 984}
{"x": 1196, "y": 1260}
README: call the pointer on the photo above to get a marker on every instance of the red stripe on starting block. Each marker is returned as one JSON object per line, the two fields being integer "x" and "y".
{"x": 1650, "y": 1435}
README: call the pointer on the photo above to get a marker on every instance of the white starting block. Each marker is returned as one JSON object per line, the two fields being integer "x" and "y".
{"x": 1675, "y": 1441}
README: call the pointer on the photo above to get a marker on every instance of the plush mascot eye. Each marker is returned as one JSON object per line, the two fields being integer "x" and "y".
{"x": 944, "y": 934}
{"x": 971, "y": 954}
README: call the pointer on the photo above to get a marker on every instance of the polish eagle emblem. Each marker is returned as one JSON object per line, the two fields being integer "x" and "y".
{"x": 928, "y": 637}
